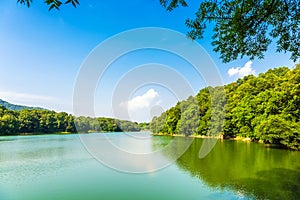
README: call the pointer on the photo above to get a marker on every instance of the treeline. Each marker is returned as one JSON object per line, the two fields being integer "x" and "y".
{"x": 265, "y": 108}
{"x": 102, "y": 124}
{"x": 44, "y": 121}
{"x": 34, "y": 121}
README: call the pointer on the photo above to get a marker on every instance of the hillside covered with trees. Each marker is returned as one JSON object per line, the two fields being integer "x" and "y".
{"x": 264, "y": 107}
{"x": 11, "y": 106}
{"x": 15, "y": 122}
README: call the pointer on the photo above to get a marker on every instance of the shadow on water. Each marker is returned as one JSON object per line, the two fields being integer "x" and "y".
{"x": 277, "y": 183}
{"x": 275, "y": 146}
{"x": 6, "y": 140}
{"x": 248, "y": 169}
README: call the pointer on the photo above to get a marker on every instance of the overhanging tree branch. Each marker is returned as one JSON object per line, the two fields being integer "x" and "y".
{"x": 51, "y": 3}
{"x": 241, "y": 27}
{"x": 247, "y": 27}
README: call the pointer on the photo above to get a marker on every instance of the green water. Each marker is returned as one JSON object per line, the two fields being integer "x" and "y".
{"x": 59, "y": 167}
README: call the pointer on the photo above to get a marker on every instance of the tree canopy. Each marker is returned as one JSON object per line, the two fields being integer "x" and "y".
{"x": 263, "y": 108}
{"x": 246, "y": 27}
{"x": 31, "y": 121}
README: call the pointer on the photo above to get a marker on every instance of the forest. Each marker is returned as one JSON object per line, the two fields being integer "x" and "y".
{"x": 263, "y": 108}
{"x": 28, "y": 121}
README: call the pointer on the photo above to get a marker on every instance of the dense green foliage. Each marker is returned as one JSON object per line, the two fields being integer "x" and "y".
{"x": 263, "y": 108}
{"x": 102, "y": 124}
{"x": 34, "y": 121}
{"x": 144, "y": 126}
{"x": 17, "y": 107}
{"x": 246, "y": 27}
{"x": 44, "y": 121}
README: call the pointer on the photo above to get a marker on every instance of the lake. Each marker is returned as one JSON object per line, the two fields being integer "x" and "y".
{"x": 60, "y": 167}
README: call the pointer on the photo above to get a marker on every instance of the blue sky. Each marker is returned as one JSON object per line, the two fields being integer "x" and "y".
{"x": 41, "y": 53}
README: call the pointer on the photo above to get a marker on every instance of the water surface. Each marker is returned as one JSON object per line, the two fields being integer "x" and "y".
{"x": 59, "y": 167}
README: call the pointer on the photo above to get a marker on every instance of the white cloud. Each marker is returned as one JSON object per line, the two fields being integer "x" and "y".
{"x": 241, "y": 71}
{"x": 141, "y": 102}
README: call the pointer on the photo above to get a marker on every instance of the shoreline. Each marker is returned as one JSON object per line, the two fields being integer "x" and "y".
{"x": 238, "y": 138}
{"x": 221, "y": 137}
{"x": 65, "y": 133}
{"x": 38, "y": 133}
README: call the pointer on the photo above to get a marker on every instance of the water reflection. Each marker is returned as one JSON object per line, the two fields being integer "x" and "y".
{"x": 133, "y": 153}
{"x": 247, "y": 168}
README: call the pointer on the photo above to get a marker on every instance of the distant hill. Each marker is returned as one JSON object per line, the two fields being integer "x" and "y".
{"x": 17, "y": 107}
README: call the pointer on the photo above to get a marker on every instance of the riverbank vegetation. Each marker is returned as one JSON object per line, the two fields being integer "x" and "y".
{"x": 264, "y": 107}
{"x": 26, "y": 121}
